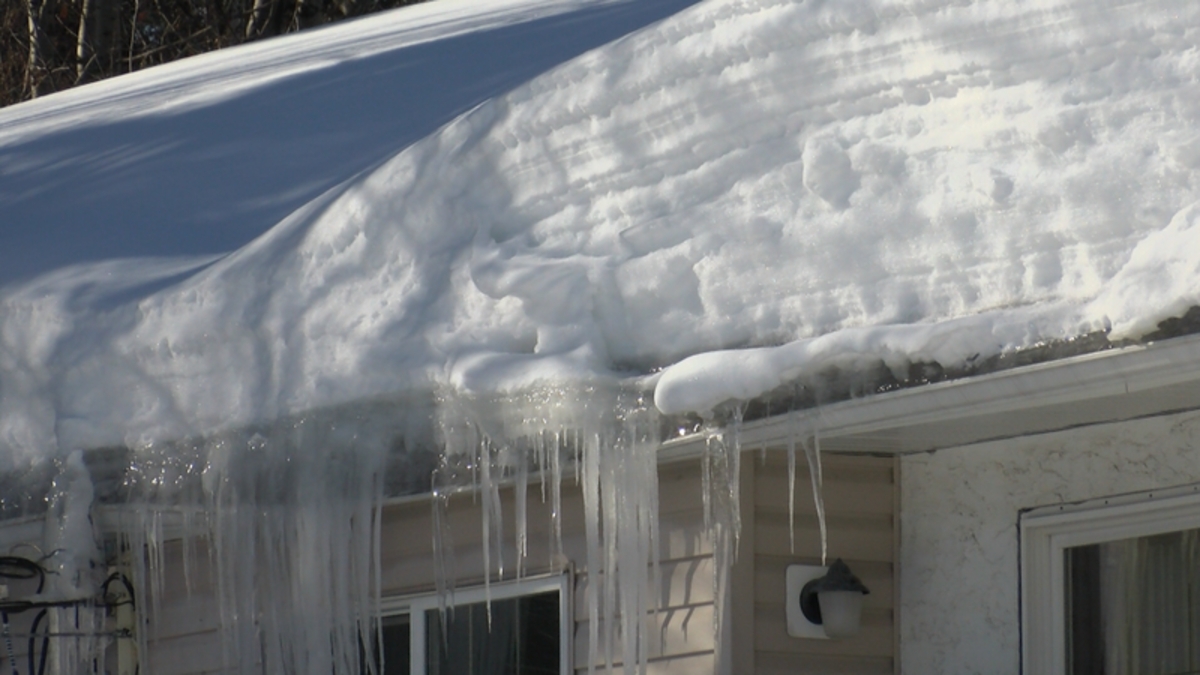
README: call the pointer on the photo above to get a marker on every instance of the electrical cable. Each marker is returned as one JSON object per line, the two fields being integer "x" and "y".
{"x": 8, "y": 645}
{"x": 37, "y": 620}
{"x": 14, "y": 567}
{"x": 117, "y": 576}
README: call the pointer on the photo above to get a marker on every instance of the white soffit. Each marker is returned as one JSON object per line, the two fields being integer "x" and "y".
{"x": 1108, "y": 386}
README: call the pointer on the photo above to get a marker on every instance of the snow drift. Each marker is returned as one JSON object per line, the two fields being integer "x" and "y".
{"x": 743, "y": 174}
{"x": 713, "y": 205}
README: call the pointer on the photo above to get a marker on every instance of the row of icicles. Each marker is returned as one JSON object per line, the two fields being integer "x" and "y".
{"x": 616, "y": 467}
{"x": 282, "y": 527}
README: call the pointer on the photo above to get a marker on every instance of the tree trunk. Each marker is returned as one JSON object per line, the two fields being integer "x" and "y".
{"x": 85, "y": 50}
{"x": 260, "y": 19}
{"x": 35, "y": 70}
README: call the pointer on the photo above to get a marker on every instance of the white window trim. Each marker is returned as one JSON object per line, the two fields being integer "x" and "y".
{"x": 416, "y": 605}
{"x": 1047, "y": 532}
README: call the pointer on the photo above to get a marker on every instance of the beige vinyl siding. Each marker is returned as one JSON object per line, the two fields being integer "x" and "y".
{"x": 860, "y": 503}
{"x": 681, "y": 631}
{"x": 182, "y": 627}
{"x": 184, "y": 640}
{"x": 860, "y": 499}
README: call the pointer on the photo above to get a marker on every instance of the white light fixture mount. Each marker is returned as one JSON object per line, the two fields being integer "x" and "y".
{"x": 823, "y": 602}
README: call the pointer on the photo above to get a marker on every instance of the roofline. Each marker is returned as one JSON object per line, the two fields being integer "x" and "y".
{"x": 1151, "y": 375}
{"x": 1111, "y": 373}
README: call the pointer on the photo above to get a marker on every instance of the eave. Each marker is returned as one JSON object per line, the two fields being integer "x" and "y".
{"x": 1127, "y": 383}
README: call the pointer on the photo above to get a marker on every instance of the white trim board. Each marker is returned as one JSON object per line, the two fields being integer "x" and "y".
{"x": 1108, "y": 386}
{"x": 1045, "y": 535}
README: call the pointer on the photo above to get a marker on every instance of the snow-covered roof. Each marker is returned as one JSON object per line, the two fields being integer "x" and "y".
{"x": 719, "y": 198}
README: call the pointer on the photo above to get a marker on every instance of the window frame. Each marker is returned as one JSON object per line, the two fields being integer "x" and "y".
{"x": 1046, "y": 533}
{"x": 416, "y": 606}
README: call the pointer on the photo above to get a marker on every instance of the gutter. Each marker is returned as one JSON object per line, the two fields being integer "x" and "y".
{"x": 1144, "y": 379}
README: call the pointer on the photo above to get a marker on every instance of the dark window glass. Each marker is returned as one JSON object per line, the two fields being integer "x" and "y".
{"x": 396, "y": 652}
{"x": 1085, "y": 632}
{"x": 523, "y": 638}
{"x": 1133, "y": 606}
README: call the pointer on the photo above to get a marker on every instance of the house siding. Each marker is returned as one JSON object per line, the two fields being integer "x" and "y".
{"x": 860, "y": 499}
{"x": 182, "y": 635}
{"x": 184, "y": 640}
{"x": 860, "y": 494}
{"x": 960, "y": 508}
{"x": 681, "y": 629}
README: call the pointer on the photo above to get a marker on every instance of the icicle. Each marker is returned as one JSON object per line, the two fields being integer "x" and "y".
{"x": 293, "y": 539}
{"x": 650, "y": 507}
{"x": 609, "y": 526}
{"x": 644, "y": 479}
{"x": 590, "y": 471}
{"x": 556, "y": 478}
{"x": 72, "y": 558}
{"x": 522, "y": 488}
{"x": 488, "y": 512}
{"x": 813, "y": 454}
{"x": 629, "y": 554}
{"x": 706, "y": 486}
{"x": 189, "y": 534}
{"x": 578, "y": 455}
{"x": 613, "y": 436}
{"x": 443, "y": 539}
{"x": 733, "y": 477}
{"x": 791, "y": 460}
{"x": 539, "y": 448}
{"x": 721, "y": 465}
{"x": 132, "y": 543}
{"x": 377, "y": 581}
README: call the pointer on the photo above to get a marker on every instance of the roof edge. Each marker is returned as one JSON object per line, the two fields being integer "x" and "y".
{"x": 1111, "y": 373}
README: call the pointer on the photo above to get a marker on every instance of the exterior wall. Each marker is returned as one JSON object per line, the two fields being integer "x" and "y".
{"x": 683, "y": 623}
{"x": 860, "y": 494}
{"x": 860, "y": 503}
{"x": 959, "y": 541}
{"x": 185, "y": 641}
{"x": 182, "y": 630}
{"x": 13, "y": 535}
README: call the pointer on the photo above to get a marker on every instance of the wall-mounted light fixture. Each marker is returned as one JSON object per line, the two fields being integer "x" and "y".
{"x": 824, "y": 602}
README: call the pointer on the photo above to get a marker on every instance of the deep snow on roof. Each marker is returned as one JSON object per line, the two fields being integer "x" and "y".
{"x": 250, "y": 234}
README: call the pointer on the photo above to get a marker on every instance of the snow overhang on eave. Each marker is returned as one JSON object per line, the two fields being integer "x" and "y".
{"x": 1109, "y": 386}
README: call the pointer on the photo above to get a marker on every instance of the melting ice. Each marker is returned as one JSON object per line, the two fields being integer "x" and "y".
{"x": 731, "y": 199}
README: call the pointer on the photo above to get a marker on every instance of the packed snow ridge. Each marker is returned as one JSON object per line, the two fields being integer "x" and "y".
{"x": 738, "y": 194}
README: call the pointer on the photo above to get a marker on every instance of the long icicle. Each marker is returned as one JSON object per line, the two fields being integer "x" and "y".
{"x": 556, "y": 499}
{"x": 591, "y": 509}
{"x": 813, "y": 454}
{"x": 522, "y": 524}
{"x": 791, "y": 462}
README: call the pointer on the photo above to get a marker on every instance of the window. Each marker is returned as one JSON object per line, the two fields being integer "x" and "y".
{"x": 1112, "y": 587}
{"x": 528, "y": 633}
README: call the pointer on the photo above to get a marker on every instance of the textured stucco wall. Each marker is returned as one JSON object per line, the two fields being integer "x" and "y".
{"x": 959, "y": 609}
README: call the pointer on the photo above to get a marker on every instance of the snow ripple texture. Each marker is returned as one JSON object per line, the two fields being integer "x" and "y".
{"x": 958, "y": 177}
{"x": 746, "y": 192}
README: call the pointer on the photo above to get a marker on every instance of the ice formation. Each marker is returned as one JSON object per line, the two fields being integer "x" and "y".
{"x": 719, "y": 203}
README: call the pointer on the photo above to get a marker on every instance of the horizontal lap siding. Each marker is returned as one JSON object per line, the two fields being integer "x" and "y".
{"x": 185, "y": 641}
{"x": 182, "y": 627}
{"x": 860, "y": 504}
{"x": 681, "y": 631}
